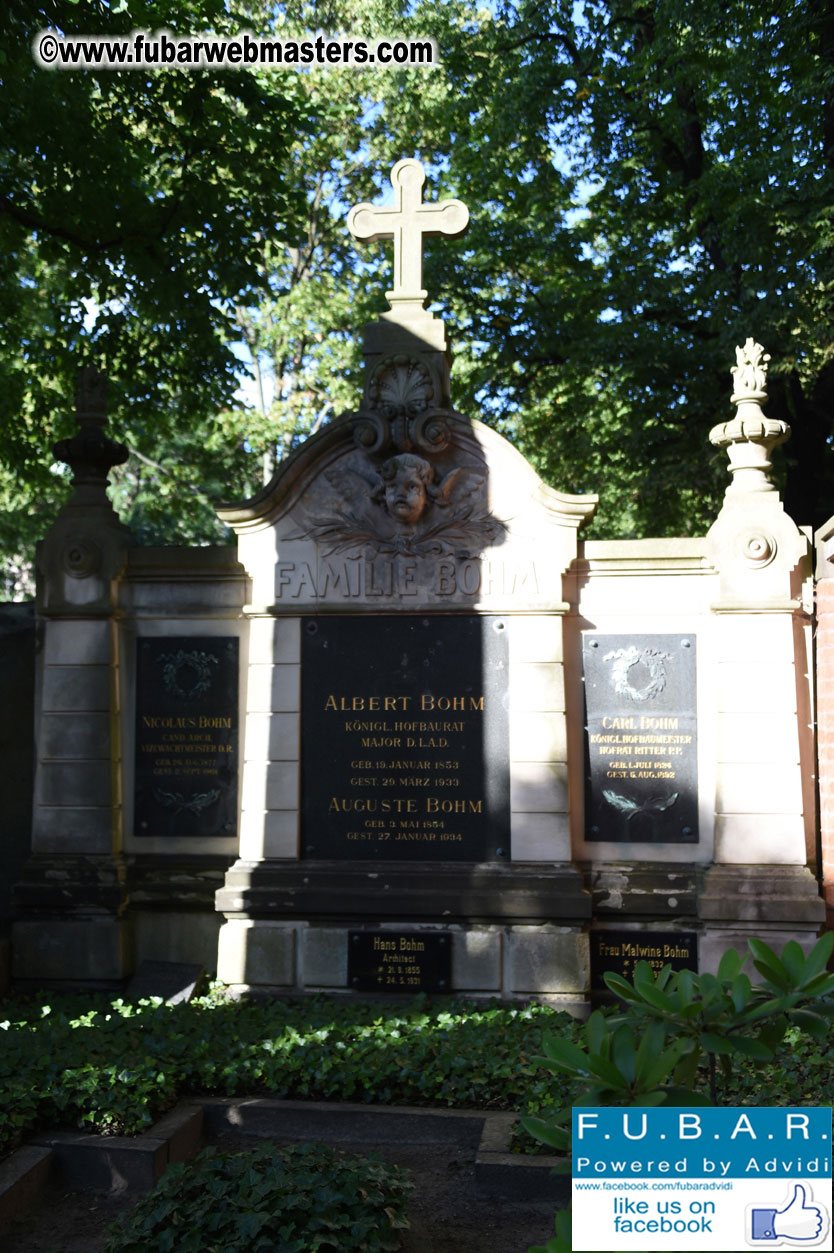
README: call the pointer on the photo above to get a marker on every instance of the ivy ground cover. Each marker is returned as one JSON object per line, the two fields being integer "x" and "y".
{"x": 115, "y": 1067}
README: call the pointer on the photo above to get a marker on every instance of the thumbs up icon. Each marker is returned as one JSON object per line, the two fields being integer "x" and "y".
{"x": 796, "y": 1221}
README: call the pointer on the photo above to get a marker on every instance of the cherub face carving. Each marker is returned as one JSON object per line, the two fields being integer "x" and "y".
{"x": 405, "y": 480}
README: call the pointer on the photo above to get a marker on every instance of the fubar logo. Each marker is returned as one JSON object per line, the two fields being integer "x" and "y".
{"x": 700, "y": 1179}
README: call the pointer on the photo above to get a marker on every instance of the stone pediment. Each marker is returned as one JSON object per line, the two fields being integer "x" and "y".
{"x": 408, "y": 504}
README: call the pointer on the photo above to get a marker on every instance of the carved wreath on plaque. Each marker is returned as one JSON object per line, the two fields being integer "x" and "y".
{"x": 187, "y": 674}
{"x": 623, "y": 662}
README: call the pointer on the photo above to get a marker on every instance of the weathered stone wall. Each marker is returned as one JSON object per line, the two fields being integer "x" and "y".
{"x": 17, "y": 751}
{"x": 825, "y": 712}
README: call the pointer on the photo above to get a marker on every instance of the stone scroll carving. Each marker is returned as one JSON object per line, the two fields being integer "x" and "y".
{"x": 400, "y": 412}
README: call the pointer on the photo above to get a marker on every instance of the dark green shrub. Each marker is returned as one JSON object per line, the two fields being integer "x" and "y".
{"x": 674, "y": 1020}
{"x": 651, "y": 1052}
{"x": 298, "y": 1199}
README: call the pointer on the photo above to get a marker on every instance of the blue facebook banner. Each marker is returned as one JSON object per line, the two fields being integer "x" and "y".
{"x": 727, "y": 1143}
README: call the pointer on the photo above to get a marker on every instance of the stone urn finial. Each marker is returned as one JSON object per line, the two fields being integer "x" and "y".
{"x": 750, "y": 435}
{"x": 90, "y": 453}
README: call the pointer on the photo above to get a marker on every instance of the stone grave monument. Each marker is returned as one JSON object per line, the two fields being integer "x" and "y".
{"x": 404, "y": 798}
{"x": 411, "y": 733}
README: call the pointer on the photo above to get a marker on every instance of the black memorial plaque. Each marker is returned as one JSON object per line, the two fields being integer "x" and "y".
{"x": 399, "y": 961}
{"x": 641, "y": 762}
{"x": 618, "y": 952}
{"x": 186, "y": 736}
{"x": 404, "y": 733}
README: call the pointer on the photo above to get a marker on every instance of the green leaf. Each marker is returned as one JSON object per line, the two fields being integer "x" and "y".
{"x": 687, "y": 1068}
{"x": 741, "y": 992}
{"x": 814, "y": 1024}
{"x": 685, "y": 988}
{"x": 768, "y": 964}
{"x": 715, "y": 1043}
{"x": 710, "y": 988}
{"x": 685, "y": 1096}
{"x": 567, "y": 1056}
{"x": 750, "y": 1048}
{"x": 819, "y": 985}
{"x": 548, "y": 1132}
{"x": 645, "y": 985}
{"x": 596, "y": 1031}
{"x": 817, "y": 959}
{"x": 649, "y": 1048}
{"x": 608, "y": 1071}
{"x": 793, "y": 960}
{"x": 729, "y": 967}
{"x": 668, "y": 1061}
{"x": 623, "y": 1053}
{"x": 620, "y": 986}
{"x": 770, "y": 1008}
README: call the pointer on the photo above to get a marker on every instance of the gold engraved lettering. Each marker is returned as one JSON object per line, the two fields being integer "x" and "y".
{"x": 440, "y": 805}
{"x": 447, "y": 704}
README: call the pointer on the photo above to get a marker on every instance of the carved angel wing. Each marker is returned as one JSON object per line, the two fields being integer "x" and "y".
{"x": 351, "y": 484}
{"x": 464, "y": 478}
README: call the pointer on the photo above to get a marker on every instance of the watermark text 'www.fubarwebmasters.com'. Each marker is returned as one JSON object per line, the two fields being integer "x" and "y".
{"x": 163, "y": 50}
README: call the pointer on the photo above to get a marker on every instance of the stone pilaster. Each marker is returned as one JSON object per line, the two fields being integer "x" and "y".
{"x": 69, "y": 905}
{"x": 761, "y": 883}
{"x": 825, "y": 710}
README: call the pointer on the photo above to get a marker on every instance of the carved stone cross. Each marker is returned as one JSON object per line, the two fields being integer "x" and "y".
{"x": 406, "y": 222}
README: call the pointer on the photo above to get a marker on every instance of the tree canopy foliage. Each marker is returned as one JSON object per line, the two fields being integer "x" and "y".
{"x": 652, "y": 182}
{"x": 133, "y": 214}
{"x": 649, "y": 182}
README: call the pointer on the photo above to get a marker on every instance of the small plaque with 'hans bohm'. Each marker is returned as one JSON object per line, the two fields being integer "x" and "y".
{"x": 399, "y": 961}
{"x": 641, "y": 751}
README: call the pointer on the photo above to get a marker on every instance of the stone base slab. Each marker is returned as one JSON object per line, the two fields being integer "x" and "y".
{"x": 176, "y": 935}
{"x": 61, "y": 885}
{"x": 175, "y": 881}
{"x": 763, "y": 896}
{"x": 513, "y": 962}
{"x": 117, "y": 1164}
{"x": 499, "y": 1174}
{"x": 771, "y": 903}
{"x": 715, "y": 942}
{"x": 72, "y": 952}
{"x": 23, "y": 1175}
{"x": 529, "y": 892}
{"x": 630, "y": 890}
